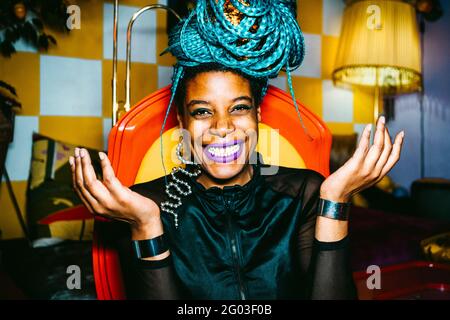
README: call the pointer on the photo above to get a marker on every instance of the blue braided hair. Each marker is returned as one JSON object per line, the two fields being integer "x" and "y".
{"x": 256, "y": 37}
{"x": 260, "y": 39}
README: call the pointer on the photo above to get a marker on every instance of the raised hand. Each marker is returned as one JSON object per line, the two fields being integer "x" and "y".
{"x": 367, "y": 166}
{"x": 109, "y": 198}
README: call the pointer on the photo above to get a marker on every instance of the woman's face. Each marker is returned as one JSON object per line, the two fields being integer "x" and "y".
{"x": 222, "y": 121}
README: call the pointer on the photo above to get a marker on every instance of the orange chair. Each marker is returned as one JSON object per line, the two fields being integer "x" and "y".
{"x": 133, "y": 149}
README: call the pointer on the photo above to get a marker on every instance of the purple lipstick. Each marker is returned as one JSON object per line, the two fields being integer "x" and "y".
{"x": 224, "y": 152}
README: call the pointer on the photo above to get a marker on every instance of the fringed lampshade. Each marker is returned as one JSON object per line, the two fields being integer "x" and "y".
{"x": 379, "y": 47}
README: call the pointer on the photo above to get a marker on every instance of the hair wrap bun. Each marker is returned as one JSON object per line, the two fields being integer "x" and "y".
{"x": 258, "y": 37}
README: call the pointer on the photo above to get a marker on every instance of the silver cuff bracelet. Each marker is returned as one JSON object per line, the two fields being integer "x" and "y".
{"x": 334, "y": 210}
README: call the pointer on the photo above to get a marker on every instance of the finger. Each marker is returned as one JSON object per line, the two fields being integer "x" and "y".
{"x": 95, "y": 187}
{"x": 79, "y": 180}
{"x": 395, "y": 154}
{"x": 89, "y": 176}
{"x": 72, "y": 169}
{"x": 80, "y": 183}
{"x": 378, "y": 144}
{"x": 91, "y": 183}
{"x": 109, "y": 177}
{"x": 75, "y": 187}
{"x": 385, "y": 154}
{"x": 85, "y": 202}
{"x": 364, "y": 142}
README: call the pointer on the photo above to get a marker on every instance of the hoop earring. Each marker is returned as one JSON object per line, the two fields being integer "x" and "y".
{"x": 179, "y": 155}
{"x": 181, "y": 188}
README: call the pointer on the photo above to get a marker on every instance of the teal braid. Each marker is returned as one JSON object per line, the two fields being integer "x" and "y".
{"x": 291, "y": 89}
{"x": 178, "y": 73}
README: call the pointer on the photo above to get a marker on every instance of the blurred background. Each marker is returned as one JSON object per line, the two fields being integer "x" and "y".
{"x": 363, "y": 59}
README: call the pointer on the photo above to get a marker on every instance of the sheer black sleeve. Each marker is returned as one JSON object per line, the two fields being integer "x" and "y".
{"x": 149, "y": 280}
{"x": 144, "y": 279}
{"x": 325, "y": 266}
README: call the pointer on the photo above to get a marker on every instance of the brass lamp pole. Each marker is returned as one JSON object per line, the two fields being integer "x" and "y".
{"x": 117, "y": 111}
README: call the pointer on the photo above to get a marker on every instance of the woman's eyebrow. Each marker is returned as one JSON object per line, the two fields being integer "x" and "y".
{"x": 243, "y": 98}
{"x": 194, "y": 102}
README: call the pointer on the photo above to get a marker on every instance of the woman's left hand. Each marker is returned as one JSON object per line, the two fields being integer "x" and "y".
{"x": 367, "y": 166}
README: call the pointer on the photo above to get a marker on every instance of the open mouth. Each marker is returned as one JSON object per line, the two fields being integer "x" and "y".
{"x": 224, "y": 152}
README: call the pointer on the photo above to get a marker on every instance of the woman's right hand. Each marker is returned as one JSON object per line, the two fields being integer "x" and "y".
{"x": 109, "y": 198}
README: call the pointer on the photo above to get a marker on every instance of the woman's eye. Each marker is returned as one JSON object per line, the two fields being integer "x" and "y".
{"x": 200, "y": 113}
{"x": 241, "y": 108}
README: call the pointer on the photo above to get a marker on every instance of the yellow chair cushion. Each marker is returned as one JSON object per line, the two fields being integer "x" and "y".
{"x": 275, "y": 149}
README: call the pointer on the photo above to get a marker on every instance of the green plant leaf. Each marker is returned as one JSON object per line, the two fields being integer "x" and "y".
{"x": 43, "y": 41}
{"x": 38, "y": 24}
{"x": 8, "y": 87}
{"x": 29, "y": 33}
{"x": 51, "y": 39}
{"x": 6, "y": 48}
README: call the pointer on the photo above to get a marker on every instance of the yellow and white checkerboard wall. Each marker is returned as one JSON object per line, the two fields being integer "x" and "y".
{"x": 66, "y": 92}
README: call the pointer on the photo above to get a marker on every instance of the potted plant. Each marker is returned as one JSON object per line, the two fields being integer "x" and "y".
{"x": 9, "y": 106}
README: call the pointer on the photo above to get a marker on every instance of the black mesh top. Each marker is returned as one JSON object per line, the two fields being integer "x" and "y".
{"x": 254, "y": 241}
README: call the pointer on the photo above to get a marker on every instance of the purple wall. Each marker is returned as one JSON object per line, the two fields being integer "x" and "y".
{"x": 436, "y": 106}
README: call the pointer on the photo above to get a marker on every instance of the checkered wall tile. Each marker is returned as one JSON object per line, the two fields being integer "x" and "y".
{"x": 19, "y": 153}
{"x": 66, "y": 92}
{"x": 143, "y": 36}
{"x": 70, "y": 87}
{"x": 311, "y": 66}
{"x": 332, "y": 17}
{"x": 164, "y": 76}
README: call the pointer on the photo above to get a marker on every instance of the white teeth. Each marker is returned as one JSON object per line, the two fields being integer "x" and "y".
{"x": 224, "y": 152}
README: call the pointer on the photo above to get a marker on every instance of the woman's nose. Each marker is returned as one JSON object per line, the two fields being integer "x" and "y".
{"x": 222, "y": 127}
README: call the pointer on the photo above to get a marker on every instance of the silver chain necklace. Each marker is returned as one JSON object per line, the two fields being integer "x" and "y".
{"x": 179, "y": 187}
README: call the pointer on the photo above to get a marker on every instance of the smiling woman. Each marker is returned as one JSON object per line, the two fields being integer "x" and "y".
{"x": 221, "y": 124}
{"x": 219, "y": 227}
